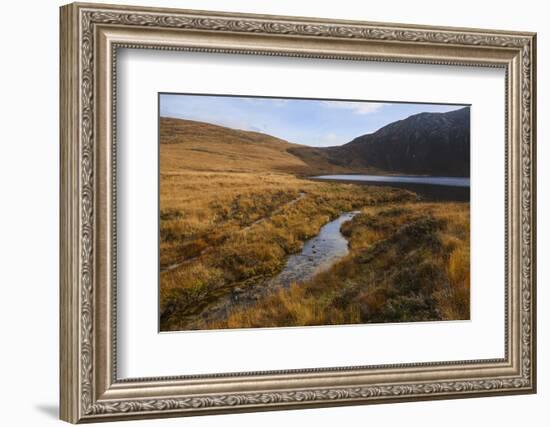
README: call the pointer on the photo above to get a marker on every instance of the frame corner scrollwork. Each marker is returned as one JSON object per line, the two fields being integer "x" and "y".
{"x": 80, "y": 26}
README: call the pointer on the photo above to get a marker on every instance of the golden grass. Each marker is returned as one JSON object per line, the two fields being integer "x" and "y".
{"x": 198, "y": 208}
{"x": 187, "y": 145}
{"x": 407, "y": 263}
{"x": 241, "y": 227}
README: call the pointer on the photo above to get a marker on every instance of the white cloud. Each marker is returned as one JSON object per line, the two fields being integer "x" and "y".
{"x": 355, "y": 107}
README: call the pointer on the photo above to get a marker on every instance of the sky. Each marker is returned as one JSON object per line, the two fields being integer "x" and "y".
{"x": 317, "y": 123}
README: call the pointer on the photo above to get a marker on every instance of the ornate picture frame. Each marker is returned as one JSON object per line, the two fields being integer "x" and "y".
{"x": 90, "y": 37}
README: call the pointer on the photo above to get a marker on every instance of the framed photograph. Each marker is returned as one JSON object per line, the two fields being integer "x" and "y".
{"x": 266, "y": 212}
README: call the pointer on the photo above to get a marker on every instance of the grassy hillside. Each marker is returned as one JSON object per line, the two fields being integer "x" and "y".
{"x": 197, "y": 146}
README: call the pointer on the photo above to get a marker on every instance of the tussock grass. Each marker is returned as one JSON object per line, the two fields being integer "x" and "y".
{"x": 231, "y": 229}
{"x": 407, "y": 263}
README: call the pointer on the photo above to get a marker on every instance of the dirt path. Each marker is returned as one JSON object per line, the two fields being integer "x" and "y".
{"x": 248, "y": 227}
{"x": 275, "y": 212}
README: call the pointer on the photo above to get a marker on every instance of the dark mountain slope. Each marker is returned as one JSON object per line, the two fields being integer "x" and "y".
{"x": 425, "y": 143}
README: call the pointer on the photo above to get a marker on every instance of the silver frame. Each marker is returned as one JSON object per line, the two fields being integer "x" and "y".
{"x": 90, "y": 37}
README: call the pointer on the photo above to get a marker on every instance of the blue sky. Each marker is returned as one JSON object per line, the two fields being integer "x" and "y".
{"x": 316, "y": 123}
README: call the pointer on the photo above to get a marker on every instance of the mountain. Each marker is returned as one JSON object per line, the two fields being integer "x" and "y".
{"x": 424, "y": 144}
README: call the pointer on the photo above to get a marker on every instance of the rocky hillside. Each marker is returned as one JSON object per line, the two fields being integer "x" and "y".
{"x": 425, "y": 144}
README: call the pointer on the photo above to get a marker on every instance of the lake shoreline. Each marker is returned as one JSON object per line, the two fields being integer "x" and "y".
{"x": 426, "y": 191}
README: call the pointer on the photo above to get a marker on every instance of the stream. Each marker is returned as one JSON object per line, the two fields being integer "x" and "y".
{"x": 317, "y": 255}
